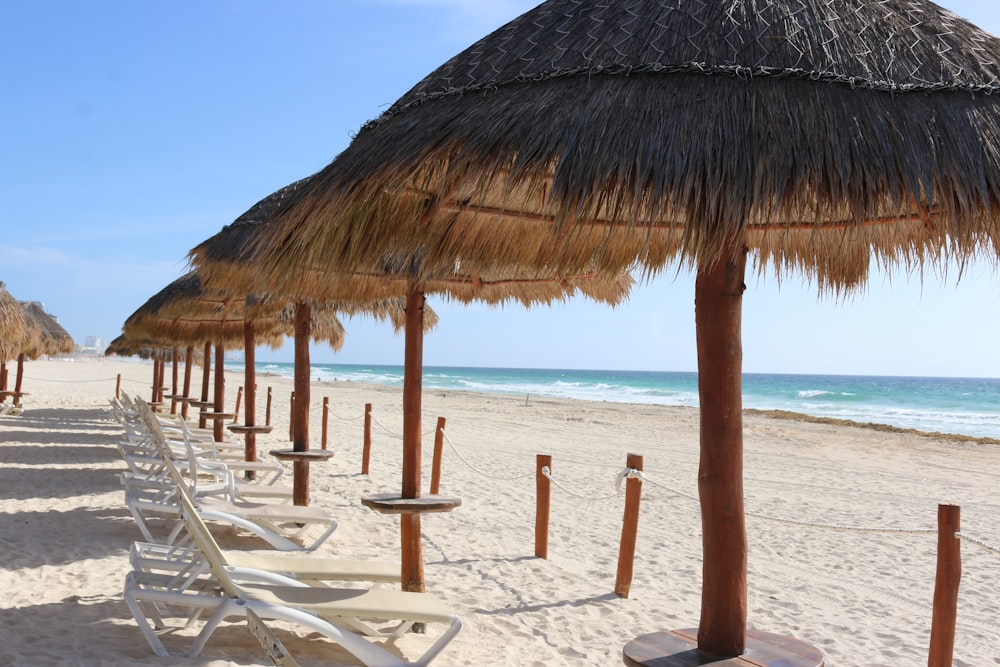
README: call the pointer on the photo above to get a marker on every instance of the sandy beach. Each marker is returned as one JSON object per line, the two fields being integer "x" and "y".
{"x": 862, "y": 596}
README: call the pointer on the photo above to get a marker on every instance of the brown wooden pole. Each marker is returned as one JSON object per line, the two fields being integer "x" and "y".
{"x": 291, "y": 417}
{"x": 188, "y": 363}
{"x": 267, "y": 413}
{"x": 630, "y": 528}
{"x": 18, "y": 380}
{"x": 174, "y": 377}
{"x": 236, "y": 410}
{"x": 118, "y": 385}
{"x": 206, "y": 366}
{"x": 3, "y": 381}
{"x": 946, "y": 582}
{"x": 156, "y": 381}
{"x": 543, "y": 494}
{"x": 300, "y": 409}
{"x": 250, "y": 382}
{"x": 438, "y": 453}
{"x": 718, "y": 301}
{"x": 326, "y": 418}
{"x": 412, "y": 550}
{"x": 218, "y": 425}
{"x": 366, "y": 452}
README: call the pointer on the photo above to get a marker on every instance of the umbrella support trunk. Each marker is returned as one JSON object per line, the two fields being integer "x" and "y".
{"x": 219, "y": 427}
{"x": 188, "y": 362}
{"x": 18, "y": 379}
{"x": 249, "y": 373}
{"x": 718, "y": 304}
{"x": 175, "y": 374}
{"x": 412, "y": 552}
{"x": 206, "y": 365}
{"x": 300, "y": 409}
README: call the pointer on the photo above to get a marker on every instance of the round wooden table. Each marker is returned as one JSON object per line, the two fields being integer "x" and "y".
{"x": 393, "y": 503}
{"x": 679, "y": 648}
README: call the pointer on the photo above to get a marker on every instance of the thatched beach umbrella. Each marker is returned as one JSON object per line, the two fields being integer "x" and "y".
{"x": 51, "y": 339}
{"x": 186, "y": 313}
{"x": 222, "y": 262}
{"x": 17, "y": 333}
{"x": 390, "y": 276}
{"x": 821, "y": 137}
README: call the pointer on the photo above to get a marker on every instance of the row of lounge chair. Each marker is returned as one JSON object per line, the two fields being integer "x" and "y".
{"x": 177, "y": 481}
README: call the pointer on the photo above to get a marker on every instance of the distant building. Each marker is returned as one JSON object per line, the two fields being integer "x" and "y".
{"x": 92, "y": 346}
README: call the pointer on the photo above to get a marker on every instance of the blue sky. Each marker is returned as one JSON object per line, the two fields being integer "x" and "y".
{"x": 131, "y": 131}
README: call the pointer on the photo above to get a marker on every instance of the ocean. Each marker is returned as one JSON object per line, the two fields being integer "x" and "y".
{"x": 964, "y": 406}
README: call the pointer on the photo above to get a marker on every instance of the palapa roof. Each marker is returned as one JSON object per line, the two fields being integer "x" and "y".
{"x": 227, "y": 260}
{"x": 16, "y": 331}
{"x": 53, "y": 338}
{"x": 123, "y": 346}
{"x": 186, "y": 312}
{"x": 817, "y": 133}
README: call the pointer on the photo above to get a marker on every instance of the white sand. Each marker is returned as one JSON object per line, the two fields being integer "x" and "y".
{"x": 864, "y": 598}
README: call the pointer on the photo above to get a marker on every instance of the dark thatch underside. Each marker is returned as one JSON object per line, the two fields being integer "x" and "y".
{"x": 226, "y": 260}
{"x": 600, "y": 134}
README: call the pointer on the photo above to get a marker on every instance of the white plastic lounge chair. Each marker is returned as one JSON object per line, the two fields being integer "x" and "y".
{"x": 184, "y": 560}
{"x": 336, "y": 614}
{"x": 150, "y": 497}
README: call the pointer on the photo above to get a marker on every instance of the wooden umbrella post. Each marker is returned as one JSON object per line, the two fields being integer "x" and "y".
{"x": 300, "y": 409}
{"x": 118, "y": 384}
{"x": 154, "y": 394}
{"x": 188, "y": 362}
{"x": 18, "y": 380}
{"x": 946, "y": 582}
{"x": 543, "y": 493}
{"x": 206, "y": 366}
{"x": 249, "y": 381}
{"x": 718, "y": 301}
{"x": 412, "y": 555}
{"x": 174, "y": 377}
{"x": 630, "y": 527}
{"x": 218, "y": 427}
{"x": 366, "y": 453}
{"x": 438, "y": 452}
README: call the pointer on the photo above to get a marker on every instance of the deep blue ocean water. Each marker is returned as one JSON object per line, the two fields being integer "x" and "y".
{"x": 967, "y": 406}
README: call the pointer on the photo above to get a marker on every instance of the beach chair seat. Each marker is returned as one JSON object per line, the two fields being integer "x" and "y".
{"x": 153, "y": 500}
{"x": 184, "y": 560}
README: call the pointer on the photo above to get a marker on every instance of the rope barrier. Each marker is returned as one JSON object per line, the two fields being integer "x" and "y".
{"x": 976, "y": 540}
{"x": 60, "y": 381}
{"x": 802, "y": 522}
{"x": 479, "y": 471}
{"x": 343, "y": 419}
{"x": 393, "y": 433}
{"x": 621, "y": 476}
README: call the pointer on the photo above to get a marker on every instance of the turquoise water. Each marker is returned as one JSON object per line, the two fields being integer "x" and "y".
{"x": 967, "y": 406}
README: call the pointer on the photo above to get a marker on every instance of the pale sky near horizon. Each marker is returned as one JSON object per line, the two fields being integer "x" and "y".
{"x": 133, "y": 131}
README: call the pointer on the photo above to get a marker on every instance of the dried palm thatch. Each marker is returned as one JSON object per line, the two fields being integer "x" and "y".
{"x": 16, "y": 331}
{"x": 817, "y": 134}
{"x": 52, "y": 339}
{"x": 144, "y": 348}
{"x": 376, "y": 286}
